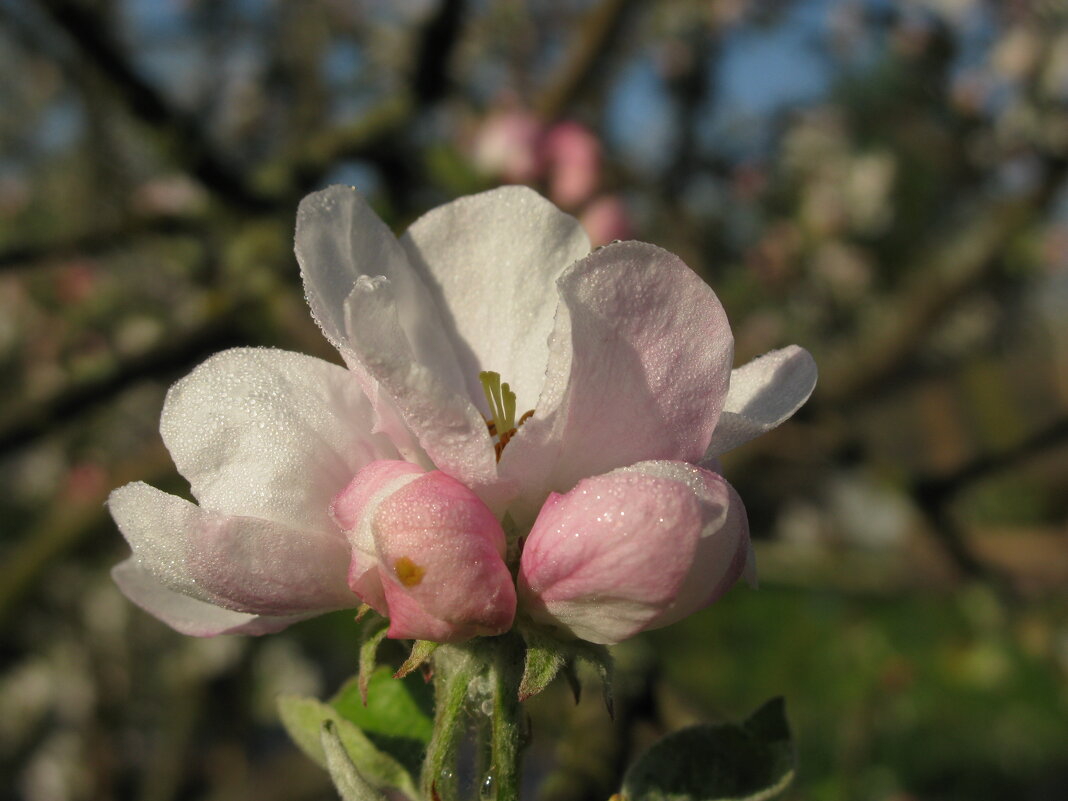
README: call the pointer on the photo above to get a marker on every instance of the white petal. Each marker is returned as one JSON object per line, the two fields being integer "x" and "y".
{"x": 242, "y": 563}
{"x": 447, "y": 425}
{"x": 188, "y": 615}
{"x": 764, "y": 393}
{"x": 271, "y": 434}
{"x": 339, "y": 238}
{"x": 491, "y": 261}
{"x": 638, "y": 369}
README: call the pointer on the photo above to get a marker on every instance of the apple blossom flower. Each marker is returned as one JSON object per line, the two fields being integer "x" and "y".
{"x": 495, "y": 366}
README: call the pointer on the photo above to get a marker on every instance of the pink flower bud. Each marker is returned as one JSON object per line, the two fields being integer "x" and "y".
{"x": 426, "y": 552}
{"x": 633, "y": 549}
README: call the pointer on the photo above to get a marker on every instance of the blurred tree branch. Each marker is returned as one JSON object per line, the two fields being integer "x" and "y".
{"x": 97, "y": 243}
{"x": 24, "y": 422}
{"x": 592, "y": 42}
{"x": 64, "y": 523}
{"x": 184, "y": 137}
{"x": 873, "y": 359}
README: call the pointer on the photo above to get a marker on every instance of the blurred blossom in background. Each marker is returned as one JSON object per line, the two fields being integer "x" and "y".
{"x": 881, "y": 182}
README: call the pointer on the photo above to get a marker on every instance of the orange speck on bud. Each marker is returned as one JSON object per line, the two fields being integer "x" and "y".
{"x": 409, "y": 573}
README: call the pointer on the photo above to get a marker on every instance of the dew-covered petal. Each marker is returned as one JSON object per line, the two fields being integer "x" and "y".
{"x": 723, "y": 548}
{"x": 764, "y": 393}
{"x": 340, "y": 238}
{"x": 491, "y": 261}
{"x": 441, "y": 562}
{"x": 354, "y": 508}
{"x": 448, "y": 426}
{"x": 244, "y": 564}
{"x": 187, "y": 615}
{"x": 271, "y": 434}
{"x": 610, "y": 556}
{"x": 638, "y": 369}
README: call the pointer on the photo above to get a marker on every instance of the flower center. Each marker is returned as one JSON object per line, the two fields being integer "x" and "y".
{"x": 501, "y": 402}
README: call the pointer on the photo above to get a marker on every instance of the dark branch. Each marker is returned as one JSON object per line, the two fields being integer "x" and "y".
{"x": 186, "y": 139}
{"x": 942, "y": 489}
{"x": 32, "y": 419}
{"x": 594, "y": 40}
{"x": 95, "y": 243}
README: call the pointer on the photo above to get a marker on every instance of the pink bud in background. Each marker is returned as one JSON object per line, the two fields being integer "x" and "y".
{"x": 507, "y": 145}
{"x": 426, "y": 552}
{"x": 634, "y": 549}
{"x": 606, "y": 219}
{"x": 573, "y": 155}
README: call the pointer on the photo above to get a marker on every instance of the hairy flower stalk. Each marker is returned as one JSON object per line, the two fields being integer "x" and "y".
{"x": 407, "y": 482}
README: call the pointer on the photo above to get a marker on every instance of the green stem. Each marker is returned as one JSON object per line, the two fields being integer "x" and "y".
{"x": 454, "y": 670}
{"x": 505, "y": 745}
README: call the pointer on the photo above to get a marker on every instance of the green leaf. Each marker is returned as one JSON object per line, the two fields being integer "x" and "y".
{"x": 350, "y": 784}
{"x": 750, "y": 762}
{"x": 304, "y": 719}
{"x": 398, "y": 715}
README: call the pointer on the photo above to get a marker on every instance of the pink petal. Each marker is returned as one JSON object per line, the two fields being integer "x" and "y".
{"x": 610, "y": 556}
{"x": 723, "y": 547}
{"x": 354, "y": 510}
{"x": 441, "y": 562}
{"x": 638, "y": 369}
{"x": 244, "y": 564}
{"x": 188, "y": 615}
{"x": 764, "y": 393}
{"x": 270, "y": 434}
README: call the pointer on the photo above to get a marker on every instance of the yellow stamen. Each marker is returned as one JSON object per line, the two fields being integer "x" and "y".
{"x": 409, "y": 573}
{"x": 501, "y": 402}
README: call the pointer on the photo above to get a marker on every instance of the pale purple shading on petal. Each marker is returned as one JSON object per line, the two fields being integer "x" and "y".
{"x": 723, "y": 548}
{"x": 187, "y": 615}
{"x": 764, "y": 393}
{"x": 638, "y": 369}
{"x": 244, "y": 564}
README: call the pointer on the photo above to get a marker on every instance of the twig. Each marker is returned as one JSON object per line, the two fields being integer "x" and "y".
{"x": 595, "y": 38}
{"x": 33, "y": 418}
{"x": 95, "y": 243}
{"x": 185, "y": 138}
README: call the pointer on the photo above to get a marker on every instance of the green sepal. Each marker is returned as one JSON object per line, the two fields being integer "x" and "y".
{"x": 544, "y": 659}
{"x": 421, "y": 651}
{"x": 753, "y": 761}
{"x": 304, "y": 720}
{"x": 348, "y": 781}
{"x": 599, "y": 657}
{"x": 368, "y": 657}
